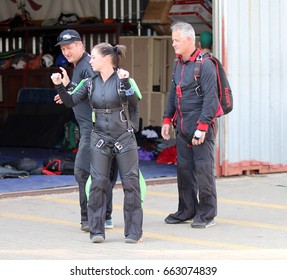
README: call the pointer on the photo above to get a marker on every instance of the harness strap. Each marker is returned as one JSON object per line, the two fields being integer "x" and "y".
{"x": 125, "y": 106}
{"x": 118, "y": 145}
{"x": 107, "y": 110}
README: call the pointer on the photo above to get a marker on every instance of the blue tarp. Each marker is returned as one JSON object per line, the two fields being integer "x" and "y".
{"x": 149, "y": 169}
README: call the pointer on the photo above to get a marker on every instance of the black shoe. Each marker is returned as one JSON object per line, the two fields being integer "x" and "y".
{"x": 85, "y": 226}
{"x": 171, "y": 220}
{"x": 133, "y": 241}
{"x": 203, "y": 224}
{"x": 97, "y": 238}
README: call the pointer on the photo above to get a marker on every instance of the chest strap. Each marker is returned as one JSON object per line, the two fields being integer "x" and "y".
{"x": 107, "y": 110}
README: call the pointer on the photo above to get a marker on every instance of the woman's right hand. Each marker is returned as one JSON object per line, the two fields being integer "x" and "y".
{"x": 56, "y": 78}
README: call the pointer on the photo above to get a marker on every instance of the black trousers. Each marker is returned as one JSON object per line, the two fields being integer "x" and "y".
{"x": 127, "y": 162}
{"x": 196, "y": 181}
{"x": 82, "y": 173}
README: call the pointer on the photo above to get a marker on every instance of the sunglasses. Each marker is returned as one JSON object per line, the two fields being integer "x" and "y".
{"x": 67, "y": 37}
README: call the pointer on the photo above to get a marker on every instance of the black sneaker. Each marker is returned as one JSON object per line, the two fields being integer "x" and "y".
{"x": 172, "y": 220}
{"x": 109, "y": 223}
{"x": 133, "y": 241}
{"x": 203, "y": 224}
{"x": 97, "y": 238}
{"x": 85, "y": 226}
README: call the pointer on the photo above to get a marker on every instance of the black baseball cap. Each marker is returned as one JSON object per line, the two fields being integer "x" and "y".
{"x": 68, "y": 36}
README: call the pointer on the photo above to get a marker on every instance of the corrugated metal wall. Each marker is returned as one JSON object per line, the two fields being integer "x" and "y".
{"x": 124, "y": 10}
{"x": 128, "y": 12}
{"x": 250, "y": 38}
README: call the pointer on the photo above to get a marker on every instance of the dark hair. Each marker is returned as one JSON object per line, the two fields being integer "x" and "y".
{"x": 116, "y": 52}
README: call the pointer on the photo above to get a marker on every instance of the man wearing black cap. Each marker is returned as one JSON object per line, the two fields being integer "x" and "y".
{"x": 73, "y": 49}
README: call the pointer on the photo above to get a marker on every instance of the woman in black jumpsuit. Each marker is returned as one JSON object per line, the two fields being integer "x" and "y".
{"x": 115, "y": 105}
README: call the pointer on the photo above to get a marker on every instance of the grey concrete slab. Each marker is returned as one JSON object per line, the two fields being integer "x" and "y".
{"x": 251, "y": 224}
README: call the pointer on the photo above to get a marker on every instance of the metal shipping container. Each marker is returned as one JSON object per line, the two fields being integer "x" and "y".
{"x": 249, "y": 37}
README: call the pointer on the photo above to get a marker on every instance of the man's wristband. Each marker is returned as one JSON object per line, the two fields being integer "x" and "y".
{"x": 197, "y": 134}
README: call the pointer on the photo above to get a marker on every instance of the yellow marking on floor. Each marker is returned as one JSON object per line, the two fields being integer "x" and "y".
{"x": 231, "y": 201}
{"x": 146, "y": 234}
{"x": 164, "y": 214}
{"x": 251, "y": 203}
{"x": 63, "y": 200}
{"x": 251, "y": 224}
{"x": 36, "y": 219}
{"x": 199, "y": 242}
{"x": 223, "y": 200}
{"x": 161, "y": 194}
{"x": 225, "y": 221}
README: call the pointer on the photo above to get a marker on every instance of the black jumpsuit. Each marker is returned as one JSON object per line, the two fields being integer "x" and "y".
{"x": 112, "y": 136}
{"x": 195, "y": 164}
{"x": 83, "y": 115}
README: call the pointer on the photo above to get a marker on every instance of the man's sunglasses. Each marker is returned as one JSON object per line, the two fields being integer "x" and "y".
{"x": 67, "y": 37}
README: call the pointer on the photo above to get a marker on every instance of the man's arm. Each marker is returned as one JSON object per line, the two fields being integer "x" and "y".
{"x": 68, "y": 99}
{"x": 169, "y": 113}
